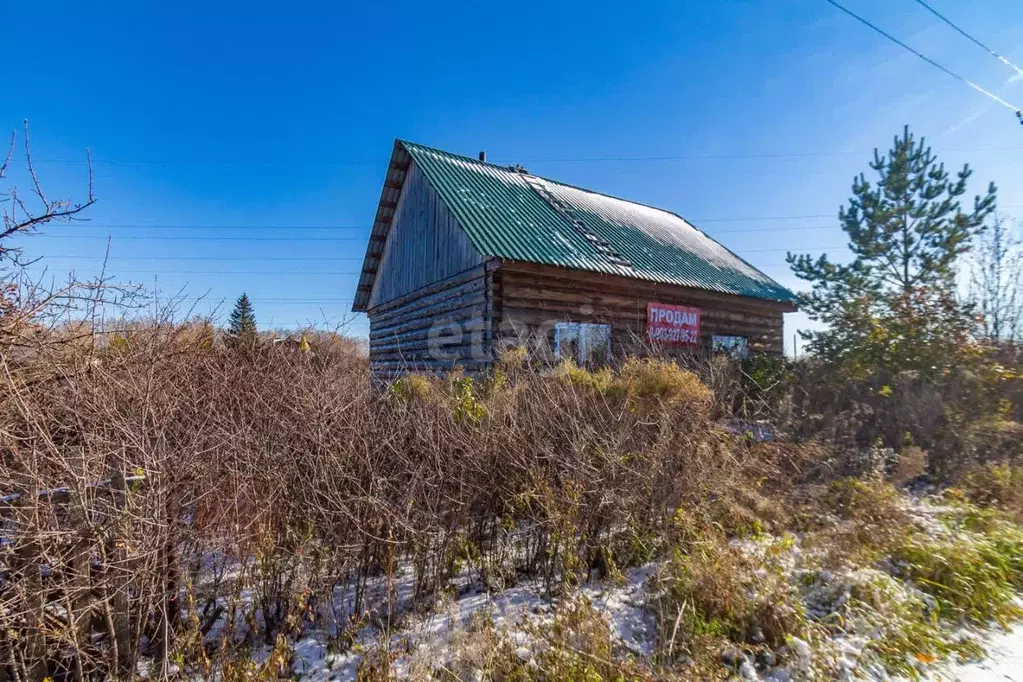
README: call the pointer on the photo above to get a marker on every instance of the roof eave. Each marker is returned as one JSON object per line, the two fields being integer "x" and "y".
{"x": 394, "y": 180}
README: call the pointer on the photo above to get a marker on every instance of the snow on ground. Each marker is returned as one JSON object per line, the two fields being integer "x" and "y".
{"x": 420, "y": 641}
{"x": 427, "y": 639}
{"x": 623, "y": 607}
{"x": 1003, "y": 664}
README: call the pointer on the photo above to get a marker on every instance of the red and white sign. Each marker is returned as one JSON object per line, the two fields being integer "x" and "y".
{"x": 672, "y": 325}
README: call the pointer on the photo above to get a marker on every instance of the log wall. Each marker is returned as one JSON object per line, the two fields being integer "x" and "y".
{"x": 530, "y": 298}
{"x": 435, "y": 327}
{"x": 460, "y": 319}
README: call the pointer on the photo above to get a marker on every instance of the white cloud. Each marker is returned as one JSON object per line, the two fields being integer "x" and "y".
{"x": 963, "y": 122}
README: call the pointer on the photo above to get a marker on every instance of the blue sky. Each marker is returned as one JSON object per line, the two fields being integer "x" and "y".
{"x": 257, "y": 134}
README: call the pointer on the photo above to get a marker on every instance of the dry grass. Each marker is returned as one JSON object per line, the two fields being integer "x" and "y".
{"x": 853, "y": 521}
{"x": 301, "y": 480}
{"x": 995, "y": 485}
{"x": 714, "y": 597}
{"x": 179, "y": 503}
{"x": 168, "y": 502}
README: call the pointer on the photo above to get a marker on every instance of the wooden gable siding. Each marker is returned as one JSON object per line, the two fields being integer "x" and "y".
{"x": 424, "y": 244}
{"x": 529, "y": 297}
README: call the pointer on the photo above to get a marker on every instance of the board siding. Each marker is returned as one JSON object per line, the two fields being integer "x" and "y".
{"x": 424, "y": 245}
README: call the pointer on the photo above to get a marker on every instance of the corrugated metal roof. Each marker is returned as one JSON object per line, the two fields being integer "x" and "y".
{"x": 508, "y": 214}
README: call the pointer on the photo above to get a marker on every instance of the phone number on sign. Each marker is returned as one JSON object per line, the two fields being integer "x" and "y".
{"x": 674, "y": 335}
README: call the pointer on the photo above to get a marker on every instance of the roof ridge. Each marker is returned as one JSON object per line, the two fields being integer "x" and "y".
{"x": 510, "y": 169}
{"x": 492, "y": 206}
{"x": 461, "y": 157}
{"x": 617, "y": 198}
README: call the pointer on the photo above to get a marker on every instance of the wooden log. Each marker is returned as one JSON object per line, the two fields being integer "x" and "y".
{"x": 426, "y": 364}
{"x": 424, "y": 341}
{"x": 431, "y": 302}
{"x": 642, "y": 287}
{"x": 461, "y": 353}
{"x": 456, "y": 310}
{"x": 447, "y": 283}
{"x": 622, "y": 297}
{"x": 556, "y": 306}
{"x": 473, "y": 324}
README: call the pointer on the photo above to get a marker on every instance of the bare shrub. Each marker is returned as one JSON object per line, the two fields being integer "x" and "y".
{"x": 995, "y": 485}
{"x": 209, "y": 501}
{"x": 854, "y": 521}
{"x": 910, "y": 465}
{"x": 958, "y": 418}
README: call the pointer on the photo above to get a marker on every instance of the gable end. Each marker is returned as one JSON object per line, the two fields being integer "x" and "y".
{"x": 394, "y": 180}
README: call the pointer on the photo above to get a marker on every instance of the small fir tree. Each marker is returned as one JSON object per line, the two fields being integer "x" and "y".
{"x": 241, "y": 331}
{"x": 895, "y": 305}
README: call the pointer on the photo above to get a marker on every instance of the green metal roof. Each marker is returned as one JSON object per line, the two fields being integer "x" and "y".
{"x": 510, "y": 214}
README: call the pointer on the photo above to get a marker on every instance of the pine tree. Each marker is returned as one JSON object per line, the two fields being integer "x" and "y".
{"x": 241, "y": 331}
{"x": 895, "y": 305}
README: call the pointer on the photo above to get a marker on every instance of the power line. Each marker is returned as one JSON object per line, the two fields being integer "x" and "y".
{"x": 756, "y": 218}
{"x": 803, "y": 248}
{"x": 134, "y": 226}
{"x": 257, "y": 299}
{"x": 298, "y": 239}
{"x": 213, "y": 258}
{"x": 117, "y": 272}
{"x": 750, "y": 219}
{"x": 748, "y": 230}
{"x": 563, "y": 159}
{"x": 138, "y": 226}
{"x": 216, "y": 162}
{"x": 970, "y": 37}
{"x": 172, "y": 226}
{"x": 185, "y": 226}
{"x": 725, "y": 157}
{"x": 924, "y": 57}
{"x": 325, "y": 258}
{"x": 120, "y": 238}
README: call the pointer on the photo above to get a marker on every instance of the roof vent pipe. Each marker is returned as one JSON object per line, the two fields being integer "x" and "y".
{"x": 483, "y": 157}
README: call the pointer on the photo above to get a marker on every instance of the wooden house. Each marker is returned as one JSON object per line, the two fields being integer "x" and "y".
{"x": 466, "y": 257}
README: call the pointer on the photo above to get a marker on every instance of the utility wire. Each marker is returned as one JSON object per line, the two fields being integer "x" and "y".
{"x": 329, "y": 258}
{"x": 299, "y": 239}
{"x": 256, "y": 299}
{"x": 181, "y": 226}
{"x": 116, "y": 272}
{"x": 213, "y": 258}
{"x": 77, "y": 257}
{"x": 970, "y": 37}
{"x": 86, "y": 224}
{"x": 927, "y": 59}
{"x": 117, "y": 238}
{"x": 562, "y": 159}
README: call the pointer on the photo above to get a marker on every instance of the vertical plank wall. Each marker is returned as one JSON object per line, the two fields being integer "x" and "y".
{"x": 424, "y": 245}
{"x": 430, "y": 290}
